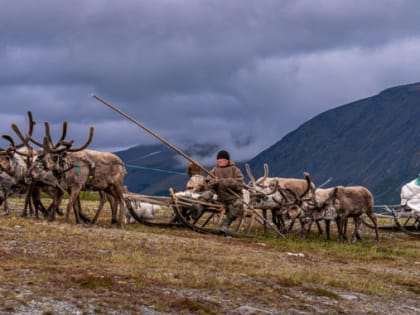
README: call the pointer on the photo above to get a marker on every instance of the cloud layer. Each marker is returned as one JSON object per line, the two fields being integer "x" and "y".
{"x": 239, "y": 74}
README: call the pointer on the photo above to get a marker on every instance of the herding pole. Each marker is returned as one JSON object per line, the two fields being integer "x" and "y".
{"x": 152, "y": 133}
{"x": 114, "y": 108}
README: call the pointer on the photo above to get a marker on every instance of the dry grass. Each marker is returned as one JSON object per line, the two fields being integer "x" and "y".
{"x": 101, "y": 270}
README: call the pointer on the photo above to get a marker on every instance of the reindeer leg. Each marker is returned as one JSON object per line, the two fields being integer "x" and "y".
{"x": 76, "y": 212}
{"x": 274, "y": 218}
{"x": 309, "y": 228}
{"x": 102, "y": 201}
{"x": 35, "y": 205}
{"x": 359, "y": 223}
{"x": 372, "y": 217}
{"x": 340, "y": 223}
{"x": 278, "y": 219}
{"x": 58, "y": 210}
{"x": 82, "y": 216}
{"x": 344, "y": 229}
{"x": 120, "y": 202}
{"x": 51, "y": 209}
{"x": 282, "y": 222}
{"x": 70, "y": 205}
{"x": 25, "y": 206}
{"x": 30, "y": 195}
{"x": 6, "y": 205}
{"x": 327, "y": 228}
{"x": 355, "y": 234}
{"x": 291, "y": 224}
{"x": 57, "y": 198}
{"x": 302, "y": 228}
{"x": 264, "y": 211}
{"x": 318, "y": 225}
{"x": 29, "y": 203}
{"x": 114, "y": 208}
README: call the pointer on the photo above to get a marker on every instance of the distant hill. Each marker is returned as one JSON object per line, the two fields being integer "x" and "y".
{"x": 150, "y": 164}
{"x": 152, "y": 169}
{"x": 373, "y": 142}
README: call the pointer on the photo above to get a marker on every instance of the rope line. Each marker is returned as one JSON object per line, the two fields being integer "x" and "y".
{"x": 155, "y": 169}
{"x": 79, "y": 165}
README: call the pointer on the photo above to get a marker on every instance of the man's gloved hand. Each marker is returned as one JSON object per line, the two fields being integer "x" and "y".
{"x": 213, "y": 182}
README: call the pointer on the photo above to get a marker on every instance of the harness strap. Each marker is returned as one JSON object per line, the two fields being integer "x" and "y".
{"x": 57, "y": 173}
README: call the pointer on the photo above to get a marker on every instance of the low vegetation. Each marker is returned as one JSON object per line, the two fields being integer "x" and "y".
{"x": 59, "y": 268}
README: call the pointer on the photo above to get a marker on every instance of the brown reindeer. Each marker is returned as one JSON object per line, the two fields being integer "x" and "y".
{"x": 268, "y": 193}
{"x": 335, "y": 204}
{"x": 84, "y": 169}
{"x": 14, "y": 161}
{"x": 79, "y": 169}
{"x": 311, "y": 208}
{"x": 351, "y": 202}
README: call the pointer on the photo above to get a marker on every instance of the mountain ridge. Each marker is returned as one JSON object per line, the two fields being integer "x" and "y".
{"x": 374, "y": 142}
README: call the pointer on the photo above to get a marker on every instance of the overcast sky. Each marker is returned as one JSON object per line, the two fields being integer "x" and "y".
{"x": 240, "y": 74}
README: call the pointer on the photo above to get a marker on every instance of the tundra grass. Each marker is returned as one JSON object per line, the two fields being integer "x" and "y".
{"x": 177, "y": 270}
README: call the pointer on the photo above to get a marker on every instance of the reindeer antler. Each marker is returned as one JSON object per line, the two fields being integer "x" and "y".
{"x": 308, "y": 187}
{"x": 10, "y": 139}
{"x": 87, "y": 142}
{"x": 62, "y": 144}
{"x": 11, "y": 149}
{"x": 61, "y": 141}
{"x": 25, "y": 140}
{"x": 265, "y": 174}
{"x": 250, "y": 175}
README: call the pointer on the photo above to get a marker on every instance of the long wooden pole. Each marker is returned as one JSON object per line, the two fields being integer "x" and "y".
{"x": 154, "y": 134}
{"x": 114, "y": 108}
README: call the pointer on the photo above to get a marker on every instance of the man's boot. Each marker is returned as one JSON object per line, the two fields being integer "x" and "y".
{"x": 227, "y": 222}
{"x": 196, "y": 211}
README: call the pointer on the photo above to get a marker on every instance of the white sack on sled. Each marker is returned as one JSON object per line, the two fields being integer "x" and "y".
{"x": 207, "y": 195}
{"x": 143, "y": 210}
{"x": 188, "y": 194}
{"x": 410, "y": 196}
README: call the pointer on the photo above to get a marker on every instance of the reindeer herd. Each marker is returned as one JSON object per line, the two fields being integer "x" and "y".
{"x": 30, "y": 166}
{"x": 33, "y": 166}
{"x": 299, "y": 199}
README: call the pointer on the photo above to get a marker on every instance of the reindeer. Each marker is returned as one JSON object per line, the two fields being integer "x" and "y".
{"x": 268, "y": 193}
{"x": 311, "y": 209}
{"x": 7, "y": 187}
{"x": 14, "y": 168}
{"x": 79, "y": 169}
{"x": 351, "y": 202}
{"x": 17, "y": 161}
{"x": 324, "y": 204}
{"x": 14, "y": 162}
{"x": 56, "y": 187}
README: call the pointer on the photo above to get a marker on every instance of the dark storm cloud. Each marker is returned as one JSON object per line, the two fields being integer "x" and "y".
{"x": 240, "y": 74}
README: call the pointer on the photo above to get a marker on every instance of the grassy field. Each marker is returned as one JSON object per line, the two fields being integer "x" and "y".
{"x": 64, "y": 268}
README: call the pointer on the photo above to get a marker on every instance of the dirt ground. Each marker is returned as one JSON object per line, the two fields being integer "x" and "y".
{"x": 62, "y": 268}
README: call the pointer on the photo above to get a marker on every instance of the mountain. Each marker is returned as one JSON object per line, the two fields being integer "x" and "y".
{"x": 148, "y": 164}
{"x": 152, "y": 169}
{"x": 374, "y": 142}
